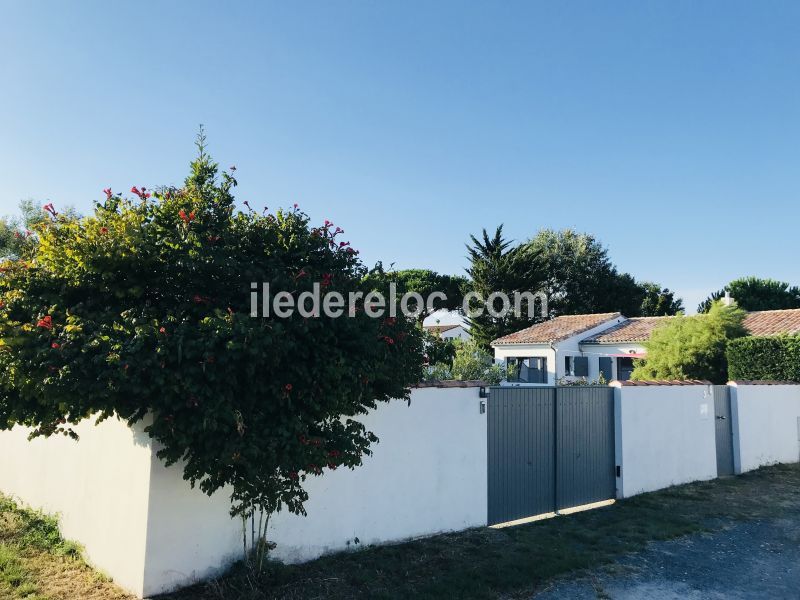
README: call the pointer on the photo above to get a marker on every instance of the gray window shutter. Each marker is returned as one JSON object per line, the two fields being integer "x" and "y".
{"x": 581, "y": 365}
{"x": 605, "y": 367}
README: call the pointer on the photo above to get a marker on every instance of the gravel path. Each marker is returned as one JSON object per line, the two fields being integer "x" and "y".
{"x": 756, "y": 559}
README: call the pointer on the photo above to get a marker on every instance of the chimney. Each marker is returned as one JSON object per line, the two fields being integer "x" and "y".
{"x": 727, "y": 300}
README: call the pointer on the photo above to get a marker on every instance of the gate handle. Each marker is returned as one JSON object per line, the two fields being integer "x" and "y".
{"x": 721, "y": 417}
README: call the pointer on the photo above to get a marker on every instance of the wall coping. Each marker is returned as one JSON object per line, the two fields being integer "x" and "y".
{"x": 659, "y": 382}
{"x": 762, "y": 382}
{"x": 451, "y": 383}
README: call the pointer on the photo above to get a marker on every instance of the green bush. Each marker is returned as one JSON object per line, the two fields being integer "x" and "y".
{"x": 692, "y": 347}
{"x": 470, "y": 363}
{"x": 775, "y": 358}
{"x": 143, "y": 308}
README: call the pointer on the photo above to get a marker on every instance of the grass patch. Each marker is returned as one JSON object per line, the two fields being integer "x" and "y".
{"x": 37, "y": 563}
{"x": 513, "y": 562}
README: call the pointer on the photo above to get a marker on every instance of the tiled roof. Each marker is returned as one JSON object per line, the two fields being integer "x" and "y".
{"x": 451, "y": 383}
{"x": 556, "y": 329}
{"x": 659, "y": 382}
{"x": 637, "y": 329}
{"x": 440, "y": 328}
{"x": 762, "y": 382}
{"x": 773, "y": 322}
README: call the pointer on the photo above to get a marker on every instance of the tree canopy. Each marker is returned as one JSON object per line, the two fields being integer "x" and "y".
{"x": 754, "y": 293}
{"x": 498, "y": 266}
{"x": 692, "y": 347}
{"x": 658, "y": 301}
{"x": 142, "y": 310}
{"x": 425, "y": 282}
{"x": 580, "y": 279}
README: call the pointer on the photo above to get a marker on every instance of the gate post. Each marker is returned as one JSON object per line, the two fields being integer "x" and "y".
{"x": 619, "y": 467}
{"x": 737, "y": 450}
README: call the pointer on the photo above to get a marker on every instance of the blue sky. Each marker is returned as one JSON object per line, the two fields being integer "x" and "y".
{"x": 670, "y": 130}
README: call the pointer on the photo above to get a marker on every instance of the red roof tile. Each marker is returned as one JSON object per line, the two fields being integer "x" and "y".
{"x": 557, "y": 329}
{"x": 773, "y": 322}
{"x": 659, "y": 382}
{"x": 637, "y": 329}
{"x": 440, "y": 328}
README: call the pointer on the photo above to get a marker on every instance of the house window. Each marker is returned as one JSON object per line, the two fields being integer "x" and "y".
{"x": 624, "y": 368}
{"x": 576, "y": 366}
{"x": 528, "y": 370}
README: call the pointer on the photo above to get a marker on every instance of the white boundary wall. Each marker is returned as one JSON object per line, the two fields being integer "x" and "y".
{"x": 99, "y": 487}
{"x": 141, "y": 524}
{"x": 664, "y": 436}
{"x": 766, "y": 425}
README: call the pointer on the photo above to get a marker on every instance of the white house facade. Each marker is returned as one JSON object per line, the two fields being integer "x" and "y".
{"x": 551, "y": 351}
{"x": 573, "y": 347}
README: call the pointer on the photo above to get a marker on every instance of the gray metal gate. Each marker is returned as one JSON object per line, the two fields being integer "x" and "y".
{"x": 548, "y": 449}
{"x": 585, "y": 469}
{"x": 724, "y": 430}
{"x": 521, "y": 458}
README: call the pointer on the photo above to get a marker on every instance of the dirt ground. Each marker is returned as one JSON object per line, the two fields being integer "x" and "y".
{"x": 747, "y": 560}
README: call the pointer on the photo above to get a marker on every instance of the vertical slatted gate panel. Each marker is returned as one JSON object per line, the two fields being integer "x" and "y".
{"x": 723, "y": 429}
{"x": 521, "y": 468}
{"x": 585, "y": 445}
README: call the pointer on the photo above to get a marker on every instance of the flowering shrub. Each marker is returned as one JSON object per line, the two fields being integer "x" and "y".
{"x": 142, "y": 309}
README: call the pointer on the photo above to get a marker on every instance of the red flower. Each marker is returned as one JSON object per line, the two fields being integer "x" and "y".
{"x": 288, "y": 387}
{"x": 328, "y": 223}
{"x": 343, "y": 244}
{"x": 46, "y": 322}
{"x": 162, "y": 330}
{"x": 50, "y": 208}
{"x": 332, "y": 466}
{"x": 389, "y": 341}
{"x": 295, "y": 205}
{"x": 108, "y": 193}
{"x": 293, "y": 475}
{"x": 142, "y": 194}
{"x": 55, "y": 345}
{"x": 326, "y": 279}
{"x": 333, "y": 453}
{"x": 104, "y": 230}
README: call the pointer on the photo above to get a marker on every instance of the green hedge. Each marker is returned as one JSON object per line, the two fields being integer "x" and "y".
{"x": 765, "y": 358}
